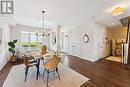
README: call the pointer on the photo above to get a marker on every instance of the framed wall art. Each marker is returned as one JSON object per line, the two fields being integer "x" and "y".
{"x": 53, "y": 38}
{"x": 85, "y": 38}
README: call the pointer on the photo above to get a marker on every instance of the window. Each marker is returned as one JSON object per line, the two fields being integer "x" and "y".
{"x": 25, "y": 39}
{"x": 30, "y": 39}
{"x": 33, "y": 39}
{"x": 40, "y": 38}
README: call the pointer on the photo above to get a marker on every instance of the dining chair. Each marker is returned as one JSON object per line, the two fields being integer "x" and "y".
{"x": 43, "y": 49}
{"x": 29, "y": 64}
{"x": 51, "y": 66}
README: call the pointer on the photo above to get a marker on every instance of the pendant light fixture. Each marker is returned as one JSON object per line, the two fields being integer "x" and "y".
{"x": 44, "y": 33}
{"x": 43, "y": 23}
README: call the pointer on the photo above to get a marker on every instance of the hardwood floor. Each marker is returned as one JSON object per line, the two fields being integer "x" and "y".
{"x": 4, "y": 72}
{"x": 102, "y": 73}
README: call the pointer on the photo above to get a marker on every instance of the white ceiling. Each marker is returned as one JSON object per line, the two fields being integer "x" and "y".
{"x": 68, "y": 12}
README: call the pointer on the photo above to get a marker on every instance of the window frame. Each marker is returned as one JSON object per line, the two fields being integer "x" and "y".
{"x": 29, "y": 38}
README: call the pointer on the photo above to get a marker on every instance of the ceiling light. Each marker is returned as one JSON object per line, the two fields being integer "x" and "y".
{"x": 117, "y": 11}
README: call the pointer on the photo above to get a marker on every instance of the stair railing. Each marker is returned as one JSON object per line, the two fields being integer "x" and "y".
{"x": 124, "y": 53}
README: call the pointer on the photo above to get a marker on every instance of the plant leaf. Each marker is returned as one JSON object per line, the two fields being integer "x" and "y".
{"x": 15, "y": 41}
{"x": 11, "y": 44}
{"x": 11, "y": 50}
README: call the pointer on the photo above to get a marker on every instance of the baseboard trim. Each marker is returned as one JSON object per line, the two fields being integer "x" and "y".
{"x": 106, "y": 56}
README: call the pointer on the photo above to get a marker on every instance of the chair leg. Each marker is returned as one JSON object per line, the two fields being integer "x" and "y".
{"x": 43, "y": 61}
{"x": 47, "y": 77}
{"x": 43, "y": 73}
{"x": 58, "y": 73}
{"x": 38, "y": 73}
{"x": 26, "y": 73}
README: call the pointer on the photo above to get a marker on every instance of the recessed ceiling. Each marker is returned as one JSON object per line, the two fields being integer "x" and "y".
{"x": 68, "y": 12}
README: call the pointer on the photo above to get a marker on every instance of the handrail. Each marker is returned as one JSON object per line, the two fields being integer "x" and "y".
{"x": 128, "y": 30}
{"x": 124, "y": 53}
{"x": 128, "y": 40}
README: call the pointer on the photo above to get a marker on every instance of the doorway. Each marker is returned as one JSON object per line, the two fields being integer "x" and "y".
{"x": 64, "y": 42}
{"x": 117, "y": 38}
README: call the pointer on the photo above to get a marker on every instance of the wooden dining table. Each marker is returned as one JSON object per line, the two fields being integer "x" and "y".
{"x": 44, "y": 57}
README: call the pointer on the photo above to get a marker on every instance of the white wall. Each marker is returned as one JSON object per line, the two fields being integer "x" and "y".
{"x": 76, "y": 45}
{"x": 4, "y": 54}
{"x": 95, "y": 48}
{"x": 74, "y": 40}
{"x": 87, "y": 49}
{"x": 118, "y": 33}
{"x": 102, "y": 47}
{"x": 53, "y": 46}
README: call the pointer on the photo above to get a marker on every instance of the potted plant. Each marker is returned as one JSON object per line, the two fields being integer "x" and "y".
{"x": 12, "y": 50}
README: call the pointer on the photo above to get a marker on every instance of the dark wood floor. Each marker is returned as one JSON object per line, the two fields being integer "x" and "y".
{"x": 4, "y": 72}
{"x": 102, "y": 73}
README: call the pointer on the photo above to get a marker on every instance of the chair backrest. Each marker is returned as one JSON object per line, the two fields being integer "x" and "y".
{"x": 43, "y": 49}
{"x": 33, "y": 53}
{"x": 25, "y": 60}
{"x": 52, "y": 63}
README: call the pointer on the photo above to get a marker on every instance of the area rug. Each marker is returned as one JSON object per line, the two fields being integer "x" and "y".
{"x": 69, "y": 78}
{"x": 114, "y": 59}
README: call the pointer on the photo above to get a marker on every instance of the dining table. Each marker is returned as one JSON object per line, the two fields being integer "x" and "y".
{"x": 45, "y": 57}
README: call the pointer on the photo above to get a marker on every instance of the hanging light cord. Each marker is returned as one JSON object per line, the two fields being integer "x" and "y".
{"x": 43, "y": 18}
{"x": 43, "y": 21}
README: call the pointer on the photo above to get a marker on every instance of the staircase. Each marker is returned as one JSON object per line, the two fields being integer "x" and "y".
{"x": 126, "y": 46}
